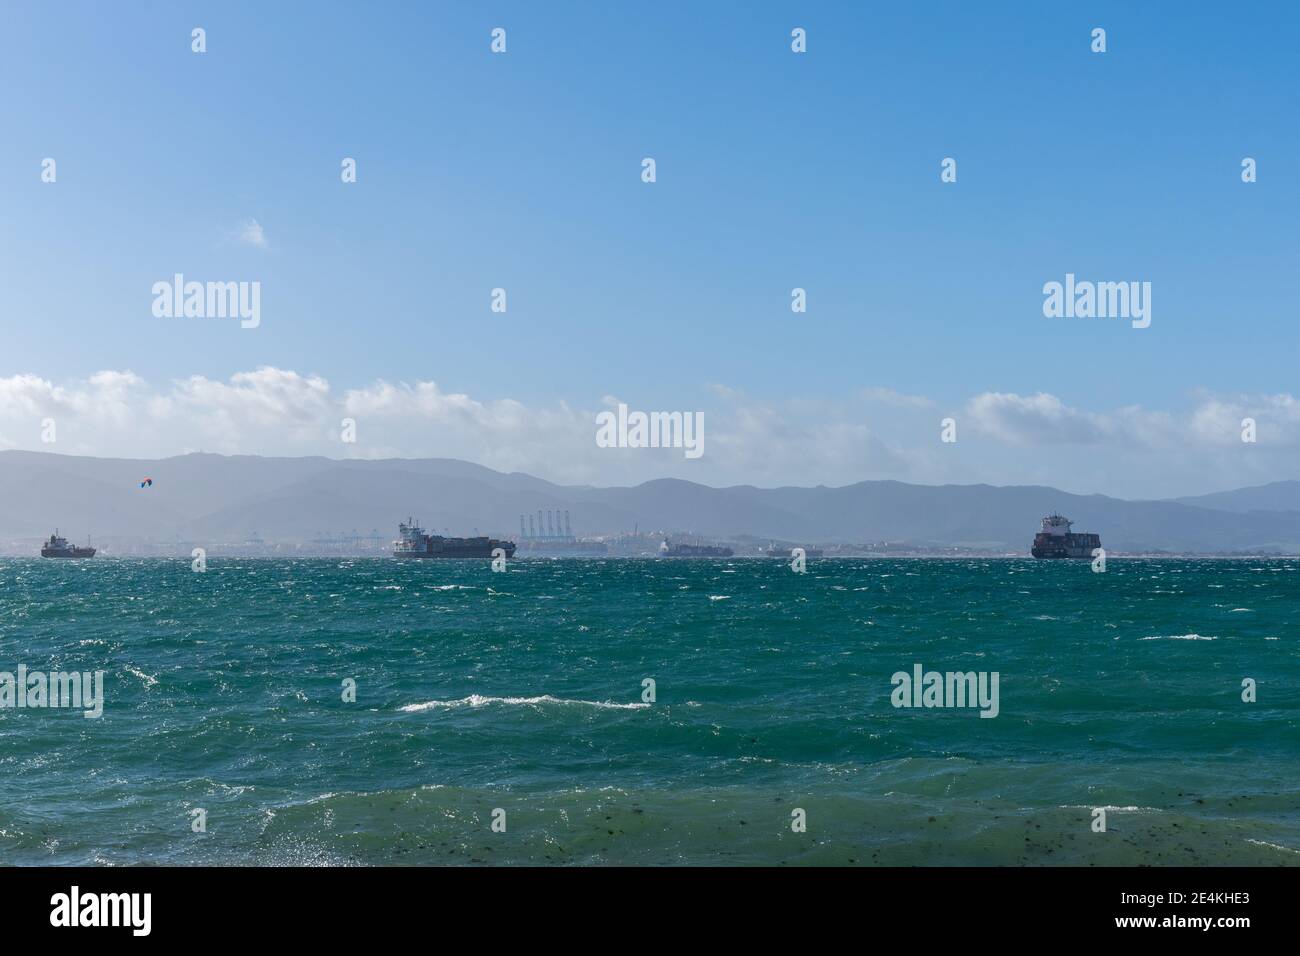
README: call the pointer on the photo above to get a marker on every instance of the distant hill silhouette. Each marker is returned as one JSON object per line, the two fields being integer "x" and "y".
{"x": 221, "y": 499}
{"x": 1277, "y": 496}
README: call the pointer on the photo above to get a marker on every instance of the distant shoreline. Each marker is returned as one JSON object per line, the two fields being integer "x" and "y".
{"x": 216, "y": 554}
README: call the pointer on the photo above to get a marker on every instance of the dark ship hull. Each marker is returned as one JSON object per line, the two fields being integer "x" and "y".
{"x": 436, "y": 546}
{"x": 67, "y": 552}
{"x": 697, "y": 551}
{"x": 1065, "y": 546}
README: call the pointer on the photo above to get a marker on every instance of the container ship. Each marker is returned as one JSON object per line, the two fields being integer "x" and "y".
{"x": 412, "y": 542}
{"x": 667, "y": 550}
{"x": 58, "y": 547}
{"x": 1056, "y": 540}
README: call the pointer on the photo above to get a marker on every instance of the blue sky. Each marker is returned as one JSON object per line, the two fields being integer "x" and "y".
{"x": 775, "y": 170}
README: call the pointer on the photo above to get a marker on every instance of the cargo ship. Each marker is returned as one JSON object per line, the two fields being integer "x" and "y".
{"x": 58, "y": 547}
{"x": 667, "y": 550}
{"x": 412, "y": 542}
{"x": 1056, "y": 540}
{"x": 774, "y": 552}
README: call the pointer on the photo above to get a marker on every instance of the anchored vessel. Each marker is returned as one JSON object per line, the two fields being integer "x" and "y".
{"x": 1056, "y": 540}
{"x": 694, "y": 551}
{"x": 775, "y": 552}
{"x": 412, "y": 542}
{"x": 58, "y": 547}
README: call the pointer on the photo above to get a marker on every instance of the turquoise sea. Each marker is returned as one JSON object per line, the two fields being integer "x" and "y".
{"x": 523, "y": 691}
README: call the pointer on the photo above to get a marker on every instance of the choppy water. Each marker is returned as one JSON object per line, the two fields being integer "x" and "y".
{"x": 523, "y": 691}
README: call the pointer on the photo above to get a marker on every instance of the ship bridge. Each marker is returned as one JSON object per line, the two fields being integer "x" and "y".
{"x": 1056, "y": 525}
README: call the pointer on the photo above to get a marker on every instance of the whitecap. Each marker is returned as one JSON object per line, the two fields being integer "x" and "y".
{"x": 477, "y": 700}
{"x": 149, "y": 680}
{"x": 1272, "y": 846}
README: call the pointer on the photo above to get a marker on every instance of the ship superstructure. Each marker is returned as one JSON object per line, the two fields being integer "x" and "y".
{"x": 413, "y": 542}
{"x": 1056, "y": 540}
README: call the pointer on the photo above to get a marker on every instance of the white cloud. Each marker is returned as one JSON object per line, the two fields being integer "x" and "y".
{"x": 1033, "y": 419}
{"x": 1004, "y": 438}
{"x": 104, "y": 397}
{"x": 1217, "y": 419}
{"x": 798, "y": 441}
{"x": 251, "y": 232}
{"x": 1213, "y": 421}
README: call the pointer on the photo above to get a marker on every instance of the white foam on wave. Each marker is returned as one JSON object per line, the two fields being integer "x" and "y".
{"x": 1273, "y": 846}
{"x": 477, "y": 700}
{"x": 149, "y": 679}
{"x": 1178, "y": 637}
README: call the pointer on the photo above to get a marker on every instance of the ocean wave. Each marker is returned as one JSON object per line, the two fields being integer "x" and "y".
{"x": 149, "y": 679}
{"x": 1178, "y": 637}
{"x": 477, "y": 700}
{"x": 1273, "y": 846}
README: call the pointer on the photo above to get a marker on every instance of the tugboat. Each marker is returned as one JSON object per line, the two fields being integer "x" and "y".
{"x": 58, "y": 547}
{"x": 414, "y": 543}
{"x": 667, "y": 550}
{"x": 1056, "y": 540}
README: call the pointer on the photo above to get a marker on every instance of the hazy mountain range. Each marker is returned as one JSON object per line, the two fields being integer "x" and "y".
{"x": 220, "y": 499}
